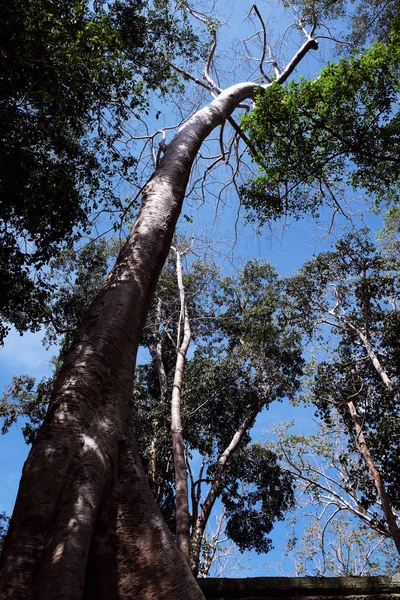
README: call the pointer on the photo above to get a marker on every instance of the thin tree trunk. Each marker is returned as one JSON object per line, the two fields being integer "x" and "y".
{"x": 373, "y": 357}
{"x": 376, "y": 476}
{"x": 76, "y": 481}
{"x": 362, "y": 444}
{"x": 178, "y": 448}
{"x": 201, "y": 522}
{"x": 156, "y": 355}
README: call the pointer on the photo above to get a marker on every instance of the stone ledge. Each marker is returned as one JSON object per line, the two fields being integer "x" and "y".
{"x": 302, "y": 588}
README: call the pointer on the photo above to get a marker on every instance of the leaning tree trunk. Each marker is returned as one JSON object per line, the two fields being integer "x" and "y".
{"x": 200, "y": 525}
{"x": 361, "y": 441}
{"x": 85, "y": 525}
{"x": 363, "y": 449}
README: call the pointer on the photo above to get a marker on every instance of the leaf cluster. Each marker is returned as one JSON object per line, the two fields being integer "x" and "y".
{"x": 257, "y": 493}
{"x": 338, "y": 129}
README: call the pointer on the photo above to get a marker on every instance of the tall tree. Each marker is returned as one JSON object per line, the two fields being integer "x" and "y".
{"x": 353, "y": 292}
{"x": 84, "y": 502}
{"x": 246, "y": 357}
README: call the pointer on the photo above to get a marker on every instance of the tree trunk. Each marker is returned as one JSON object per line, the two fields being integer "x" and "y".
{"x": 83, "y": 490}
{"x": 362, "y": 444}
{"x": 374, "y": 358}
{"x": 73, "y": 484}
{"x": 155, "y": 478}
{"x": 178, "y": 448}
{"x": 201, "y": 521}
{"x": 376, "y": 476}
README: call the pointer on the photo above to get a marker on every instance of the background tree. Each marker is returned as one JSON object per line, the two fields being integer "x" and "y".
{"x": 244, "y": 359}
{"x": 352, "y": 292}
{"x": 342, "y": 548}
{"x": 332, "y": 532}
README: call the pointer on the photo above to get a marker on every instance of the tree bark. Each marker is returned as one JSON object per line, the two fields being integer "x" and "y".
{"x": 178, "y": 448}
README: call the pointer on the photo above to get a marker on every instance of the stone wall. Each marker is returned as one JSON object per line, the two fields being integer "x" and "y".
{"x": 302, "y": 588}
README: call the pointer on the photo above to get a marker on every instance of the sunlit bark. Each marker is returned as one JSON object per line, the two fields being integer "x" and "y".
{"x": 85, "y": 524}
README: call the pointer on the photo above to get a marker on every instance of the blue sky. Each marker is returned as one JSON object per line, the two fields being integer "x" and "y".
{"x": 286, "y": 249}
{"x": 20, "y": 355}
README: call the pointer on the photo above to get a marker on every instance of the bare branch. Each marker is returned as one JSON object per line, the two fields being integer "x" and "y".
{"x": 264, "y": 46}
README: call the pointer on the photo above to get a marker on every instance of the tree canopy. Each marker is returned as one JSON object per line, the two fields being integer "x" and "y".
{"x": 340, "y": 129}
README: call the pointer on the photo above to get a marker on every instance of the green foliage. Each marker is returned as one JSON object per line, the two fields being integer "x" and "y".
{"x": 252, "y": 318}
{"x": 341, "y": 128}
{"x": 22, "y": 399}
{"x": 343, "y": 549}
{"x": 257, "y": 492}
{"x": 71, "y": 74}
{"x": 76, "y": 277}
{"x": 373, "y": 19}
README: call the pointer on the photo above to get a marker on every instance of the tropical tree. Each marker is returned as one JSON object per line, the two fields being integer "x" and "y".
{"x": 352, "y": 293}
{"x": 84, "y": 501}
{"x": 332, "y": 530}
{"x": 245, "y": 357}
